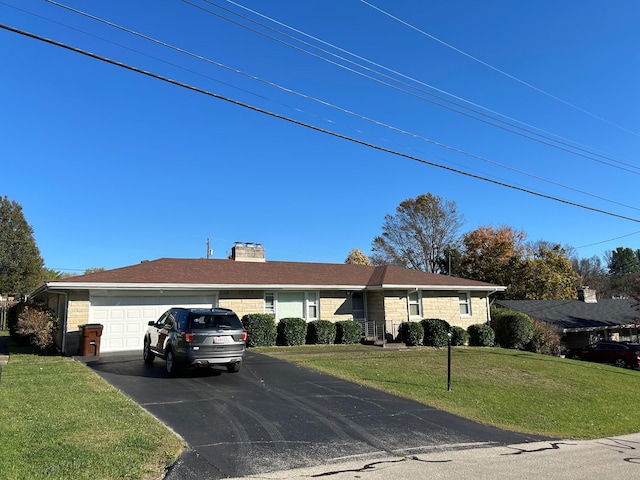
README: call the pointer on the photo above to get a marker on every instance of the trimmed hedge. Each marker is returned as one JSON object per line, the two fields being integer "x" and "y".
{"x": 321, "y": 332}
{"x": 411, "y": 333}
{"x": 513, "y": 329}
{"x": 435, "y": 332}
{"x": 481, "y": 335}
{"x": 348, "y": 332}
{"x": 291, "y": 331}
{"x": 261, "y": 329}
{"x": 459, "y": 336}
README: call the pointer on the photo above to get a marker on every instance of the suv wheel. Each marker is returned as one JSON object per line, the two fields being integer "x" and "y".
{"x": 171, "y": 362}
{"x": 146, "y": 353}
{"x": 234, "y": 367}
{"x": 620, "y": 362}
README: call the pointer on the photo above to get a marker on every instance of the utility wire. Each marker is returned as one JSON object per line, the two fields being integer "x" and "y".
{"x": 325, "y": 103}
{"x": 502, "y": 72}
{"x": 609, "y": 240}
{"x": 553, "y": 137}
{"x": 303, "y": 124}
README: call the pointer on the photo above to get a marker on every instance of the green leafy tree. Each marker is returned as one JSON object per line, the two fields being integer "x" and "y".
{"x": 20, "y": 261}
{"x": 624, "y": 268}
{"x": 418, "y": 234}
{"x": 547, "y": 275}
{"x": 541, "y": 271}
{"x": 357, "y": 257}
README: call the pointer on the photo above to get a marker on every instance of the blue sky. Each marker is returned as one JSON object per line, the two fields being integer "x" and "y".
{"x": 113, "y": 167}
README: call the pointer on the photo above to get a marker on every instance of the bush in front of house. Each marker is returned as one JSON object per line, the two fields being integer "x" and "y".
{"x": 435, "y": 332}
{"x": 261, "y": 329}
{"x": 33, "y": 326}
{"x": 291, "y": 331}
{"x": 546, "y": 339}
{"x": 481, "y": 335}
{"x": 411, "y": 333}
{"x": 321, "y": 332}
{"x": 348, "y": 332}
{"x": 459, "y": 336}
{"x": 513, "y": 329}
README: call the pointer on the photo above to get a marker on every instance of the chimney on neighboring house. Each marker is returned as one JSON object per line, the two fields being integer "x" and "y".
{"x": 587, "y": 295}
{"x": 247, "y": 252}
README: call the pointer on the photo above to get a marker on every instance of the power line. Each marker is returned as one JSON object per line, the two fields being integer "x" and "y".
{"x": 502, "y": 72}
{"x": 609, "y": 240}
{"x": 544, "y": 135}
{"x": 325, "y": 103}
{"x": 303, "y": 124}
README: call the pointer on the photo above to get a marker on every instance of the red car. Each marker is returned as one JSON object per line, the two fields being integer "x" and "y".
{"x": 621, "y": 354}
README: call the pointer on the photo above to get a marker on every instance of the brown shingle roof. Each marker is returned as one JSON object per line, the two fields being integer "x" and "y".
{"x": 231, "y": 272}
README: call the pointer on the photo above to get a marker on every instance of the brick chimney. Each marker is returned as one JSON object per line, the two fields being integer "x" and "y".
{"x": 247, "y": 252}
{"x": 587, "y": 295}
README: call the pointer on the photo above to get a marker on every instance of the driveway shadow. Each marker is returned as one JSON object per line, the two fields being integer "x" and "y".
{"x": 132, "y": 365}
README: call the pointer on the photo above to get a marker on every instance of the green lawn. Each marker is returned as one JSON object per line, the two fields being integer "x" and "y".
{"x": 59, "y": 420}
{"x": 515, "y": 390}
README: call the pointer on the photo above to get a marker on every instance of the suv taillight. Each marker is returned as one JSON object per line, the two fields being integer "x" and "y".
{"x": 244, "y": 335}
{"x": 187, "y": 336}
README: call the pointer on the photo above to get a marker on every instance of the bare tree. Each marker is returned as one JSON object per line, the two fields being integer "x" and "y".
{"x": 419, "y": 233}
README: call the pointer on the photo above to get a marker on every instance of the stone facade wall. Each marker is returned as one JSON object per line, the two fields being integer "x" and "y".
{"x": 242, "y": 302}
{"x": 446, "y": 306}
{"x": 77, "y": 314}
{"x": 335, "y": 306}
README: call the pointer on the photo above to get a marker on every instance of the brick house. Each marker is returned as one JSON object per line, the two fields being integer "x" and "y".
{"x": 125, "y": 299}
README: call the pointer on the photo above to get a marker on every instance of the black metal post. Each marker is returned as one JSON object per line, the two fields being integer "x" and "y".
{"x": 449, "y": 362}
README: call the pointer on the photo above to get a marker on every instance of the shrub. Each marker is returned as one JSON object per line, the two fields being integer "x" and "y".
{"x": 481, "y": 335}
{"x": 411, "y": 333}
{"x": 459, "y": 336}
{"x": 513, "y": 329}
{"x": 33, "y": 326}
{"x": 321, "y": 332}
{"x": 291, "y": 331}
{"x": 546, "y": 339}
{"x": 348, "y": 332}
{"x": 261, "y": 329}
{"x": 435, "y": 332}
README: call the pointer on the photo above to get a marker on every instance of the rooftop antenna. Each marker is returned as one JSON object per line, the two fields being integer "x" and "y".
{"x": 209, "y": 250}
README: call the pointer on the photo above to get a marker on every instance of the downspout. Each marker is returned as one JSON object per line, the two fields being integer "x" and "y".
{"x": 489, "y": 307}
{"x": 63, "y": 345}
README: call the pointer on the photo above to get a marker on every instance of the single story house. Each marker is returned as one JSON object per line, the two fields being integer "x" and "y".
{"x": 586, "y": 319}
{"x": 125, "y": 299}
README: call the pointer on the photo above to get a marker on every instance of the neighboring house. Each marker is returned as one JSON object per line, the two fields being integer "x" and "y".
{"x": 586, "y": 319}
{"x": 125, "y": 299}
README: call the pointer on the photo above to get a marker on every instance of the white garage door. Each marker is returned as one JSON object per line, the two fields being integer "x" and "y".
{"x": 125, "y": 319}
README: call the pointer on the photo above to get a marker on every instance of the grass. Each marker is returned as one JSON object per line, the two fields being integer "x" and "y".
{"x": 62, "y": 421}
{"x": 515, "y": 390}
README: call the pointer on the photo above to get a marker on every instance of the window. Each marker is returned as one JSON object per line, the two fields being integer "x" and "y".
{"x": 312, "y": 306}
{"x": 465, "y": 304}
{"x": 270, "y": 303}
{"x": 415, "y": 306}
{"x": 292, "y": 304}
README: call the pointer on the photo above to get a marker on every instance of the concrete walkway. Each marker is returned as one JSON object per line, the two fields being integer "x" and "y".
{"x": 615, "y": 457}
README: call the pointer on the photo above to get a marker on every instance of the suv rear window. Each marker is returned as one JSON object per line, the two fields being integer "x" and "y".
{"x": 224, "y": 322}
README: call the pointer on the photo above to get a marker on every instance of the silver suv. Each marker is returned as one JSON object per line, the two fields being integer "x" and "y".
{"x": 196, "y": 337}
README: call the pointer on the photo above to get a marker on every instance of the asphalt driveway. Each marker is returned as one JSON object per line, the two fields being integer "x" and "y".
{"x": 274, "y": 416}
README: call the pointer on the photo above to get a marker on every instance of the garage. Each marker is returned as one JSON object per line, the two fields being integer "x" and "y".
{"x": 125, "y": 318}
